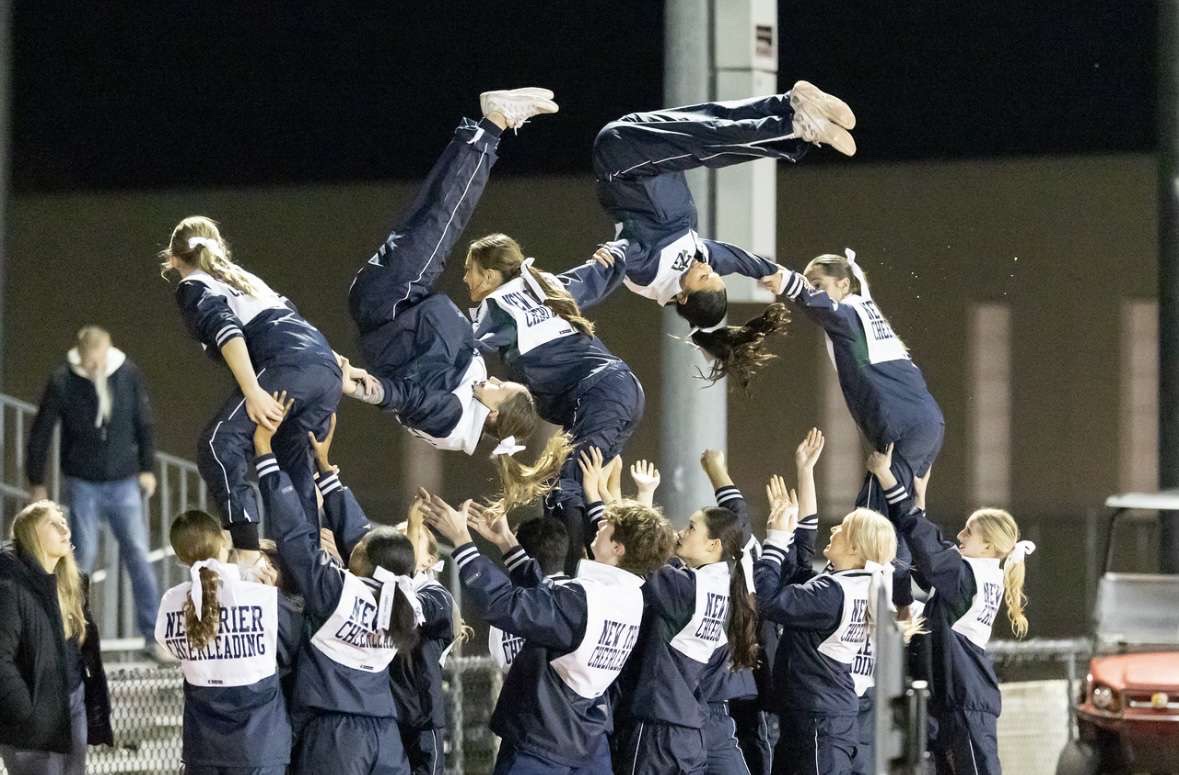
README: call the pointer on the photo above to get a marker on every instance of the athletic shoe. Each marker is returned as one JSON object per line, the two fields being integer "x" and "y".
{"x": 517, "y": 105}
{"x": 815, "y": 100}
{"x": 820, "y": 131}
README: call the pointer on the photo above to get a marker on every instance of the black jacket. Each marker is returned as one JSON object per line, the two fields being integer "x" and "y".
{"x": 34, "y": 697}
{"x": 118, "y": 448}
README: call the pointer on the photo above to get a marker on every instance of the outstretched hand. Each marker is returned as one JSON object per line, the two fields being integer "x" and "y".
{"x": 492, "y": 525}
{"x": 322, "y": 449}
{"x": 593, "y": 474}
{"x": 809, "y": 450}
{"x": 879, "y": 464}
{"x": 263, "y": 434}
{"x": 783, "y": 505}
{"x": 646, "y": 478}
{"x": 444, "y": 519}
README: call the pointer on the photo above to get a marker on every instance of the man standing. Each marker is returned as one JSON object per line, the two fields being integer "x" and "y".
{"x": 106, "y": 456}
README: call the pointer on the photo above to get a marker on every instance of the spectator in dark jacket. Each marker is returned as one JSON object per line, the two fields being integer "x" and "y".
{"x": 106, "y": 456}
{"x": 53, "y": 693}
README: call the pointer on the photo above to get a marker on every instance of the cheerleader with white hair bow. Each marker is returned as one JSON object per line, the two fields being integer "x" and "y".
{"x": 970, "y": 582}
{"x": 361, "y": 616}
{"x": 234, "y": 637}
{"x": 267, "y": 345}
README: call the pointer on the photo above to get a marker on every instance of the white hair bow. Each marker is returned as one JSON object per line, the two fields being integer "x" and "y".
{"x": 507, "y": 446}
{"x": 747, "y": 553}
{"x": 390, "y": 582}
{"x": 530, "y": 280}
{"x": 197, "y": 592}
{"x": 212, "y": 245}
{"x": 881, "y": 577}
{"x": 861, "y": 278}
{"x": 1020, "y": 552}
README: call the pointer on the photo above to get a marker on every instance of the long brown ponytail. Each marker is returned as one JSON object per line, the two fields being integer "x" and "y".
{"x": 739, "y": 352}
{"x": 196, "y": 536}
{"x": 389, "y": 548}
{"x": 503, "y": 254}
{"x": 724, "y": 526}
{"x": 211, "y": 255}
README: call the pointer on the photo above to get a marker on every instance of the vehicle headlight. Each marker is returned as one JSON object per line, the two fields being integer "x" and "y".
{"x": 1104, "y": 698}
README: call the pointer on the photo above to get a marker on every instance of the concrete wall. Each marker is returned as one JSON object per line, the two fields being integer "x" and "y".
{"x": 934, "y": 237}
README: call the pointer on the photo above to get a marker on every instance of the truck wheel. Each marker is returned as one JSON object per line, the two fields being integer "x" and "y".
{"x": 1079, "y": 758}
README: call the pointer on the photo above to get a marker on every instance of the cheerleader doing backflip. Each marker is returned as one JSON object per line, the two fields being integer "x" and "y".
{"x": 639, "y": 161}
{"x": 418, "y": 346}
{"x": 534, "y": 320}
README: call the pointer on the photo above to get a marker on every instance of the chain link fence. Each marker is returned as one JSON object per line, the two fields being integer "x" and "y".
{"x": 147, "y": 709}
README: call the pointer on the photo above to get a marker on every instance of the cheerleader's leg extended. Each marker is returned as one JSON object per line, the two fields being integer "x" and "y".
{"x": 413, "y": 256}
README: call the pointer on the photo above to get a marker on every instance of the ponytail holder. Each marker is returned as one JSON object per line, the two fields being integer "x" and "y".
{"x": 197, "y": 592}
{"x": 1019, "y": 553}
{"x": 530, "y": 280}
{"x": 707, "y": 329}
{"x": 507, "y": 446}
{"x": 390, "y": 583}
{"x": 861, "y": 278}
{"x": 212, "y": 245}
{"x": 747, "y": 553}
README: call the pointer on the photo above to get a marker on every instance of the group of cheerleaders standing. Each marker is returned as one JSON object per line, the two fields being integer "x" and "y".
{"x": 628, "y": 647}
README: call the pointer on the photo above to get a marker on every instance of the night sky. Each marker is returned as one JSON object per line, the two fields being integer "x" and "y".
{"x": 123, "y": 95}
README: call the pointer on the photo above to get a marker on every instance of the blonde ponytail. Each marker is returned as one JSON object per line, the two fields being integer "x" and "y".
{"x": 999, "y": 529}
{"x": 521, "y": 483}
{"x": 1013, "y": 573}
{"x": 197, "y": 242}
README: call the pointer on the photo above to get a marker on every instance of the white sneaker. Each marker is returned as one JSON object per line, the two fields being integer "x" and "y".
{"x": 806, "y": 96}
{"x": 817, "y": 129}
{"x": 517, "y": 105}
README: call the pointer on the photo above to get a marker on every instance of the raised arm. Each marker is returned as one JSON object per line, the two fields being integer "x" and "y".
{"x": 598, "y": 277}
{"x": 838, "y": 320}
{"x": 729, "y": 259}
{"x": 342, "y": 512}
{"x": 727, "y": 494}
{"x": 937, "y": 560}
{"x": 553, "y": 616}
{"x": 318, "y": 579}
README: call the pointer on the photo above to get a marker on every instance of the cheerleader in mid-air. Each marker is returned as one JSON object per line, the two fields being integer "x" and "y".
{"x": 553, "y": 714}
{"x": 639, "y": 161}
{"x": 534, "y": 320}
{"x": 971, "y": 581}
{"x": 826, "y": 621}
{"x": 233, "y": 638}
{"x": 366, "y": 614}
{"x": 267, "y": 346}
{"x": 422, "y": 361}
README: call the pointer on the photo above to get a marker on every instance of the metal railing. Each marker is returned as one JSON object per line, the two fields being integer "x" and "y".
{"x": 179, "y": 487}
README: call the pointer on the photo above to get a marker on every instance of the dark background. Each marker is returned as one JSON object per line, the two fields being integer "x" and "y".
{"x": 167, "y": 94}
